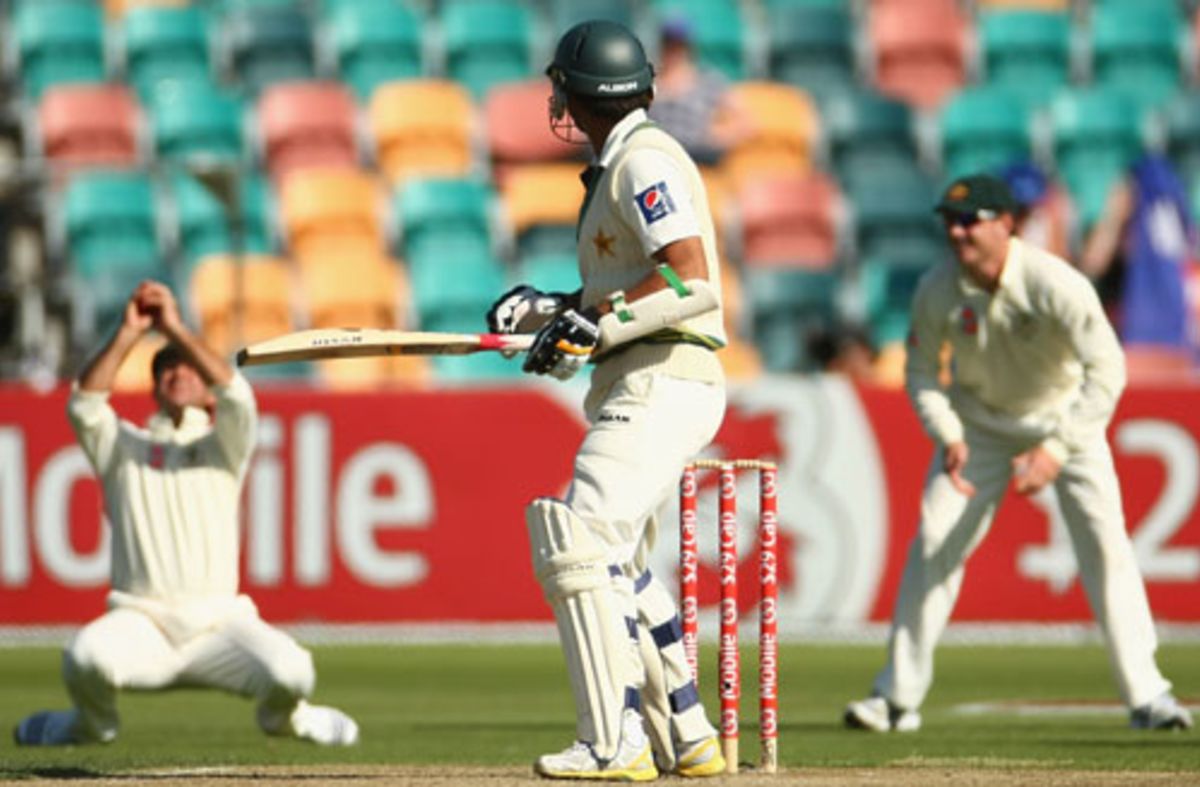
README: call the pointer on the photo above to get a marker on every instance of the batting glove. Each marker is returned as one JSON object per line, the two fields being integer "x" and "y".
{"x": 523, "y": 309}
{"x": 564, "y": 345}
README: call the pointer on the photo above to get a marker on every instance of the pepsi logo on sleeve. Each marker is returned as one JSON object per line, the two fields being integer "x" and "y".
{"x": 655, "y": 202}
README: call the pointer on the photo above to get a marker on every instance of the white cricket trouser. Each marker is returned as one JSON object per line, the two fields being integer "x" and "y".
{"x": 953, "y": 525}
{"x": 125, "y": 649}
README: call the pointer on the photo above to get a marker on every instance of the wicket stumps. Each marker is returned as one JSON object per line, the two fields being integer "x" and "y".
{"x": 729, "y": 663}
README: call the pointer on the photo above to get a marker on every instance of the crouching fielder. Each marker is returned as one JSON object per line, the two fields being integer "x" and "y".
{"x": 648, "y": 317}
{"x": 171, "y": 491}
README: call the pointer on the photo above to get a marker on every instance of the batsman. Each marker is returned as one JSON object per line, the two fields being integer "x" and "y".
{"x": 648, "y": 320}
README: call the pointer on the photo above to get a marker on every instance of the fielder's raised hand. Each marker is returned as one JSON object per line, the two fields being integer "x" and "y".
{"x": 564, "y": 345}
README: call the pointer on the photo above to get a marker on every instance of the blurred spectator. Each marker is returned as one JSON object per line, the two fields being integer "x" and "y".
{"x": 844, "y": 349}
{"x": 1141, "y": 254}
{"x": 693, "y": 102}
{"x": 1044, "y": 216}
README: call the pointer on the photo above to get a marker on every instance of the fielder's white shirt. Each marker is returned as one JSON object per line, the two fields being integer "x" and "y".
{"x": 171, "y": 494}
{"x": 1037, "y": 357}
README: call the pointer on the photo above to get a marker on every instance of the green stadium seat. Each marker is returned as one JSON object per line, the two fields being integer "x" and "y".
{"x": 202, "y": 226}
{"x": 195, "y": 120}
{"x": 1097, "y": 135}
{"x": 888, "y": 284}
{"x": 165, "y": 44}
{"x": 1026, "y": 51}
{"x": 812, "y": 47}
{"x": 983, "y": 129}
{"x": 893, "y": 214}
{"x": 564, "y": 14}
{"x": 57, "y": 42}
{"x": 269, "y": 43}
{"x": 1136, "y": 49}
{"x": 442, "y": 219}
{"x": 1182, "y": 124}
{"x": 549, "y": 272}
{"x": 786, "y": 305}
{"x": 487, "y": 42}
{"x": 376, "y": 41}
{"x": 717, "y": 31}
{"x": 866, "y": 130}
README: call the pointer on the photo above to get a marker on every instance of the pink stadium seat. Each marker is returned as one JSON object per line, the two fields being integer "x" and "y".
{"x": 919, "y": 49}
{"x": 307, "y": 124}
{"x": 789, "y": 220}
{"x": 89, "y": 125}
{"x": 518, "y": 127}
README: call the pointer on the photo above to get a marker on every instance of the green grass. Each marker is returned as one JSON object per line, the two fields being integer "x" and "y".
{"x": 503, "y": 705}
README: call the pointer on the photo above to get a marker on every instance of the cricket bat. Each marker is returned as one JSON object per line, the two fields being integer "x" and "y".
{"x": 322, "y": 343}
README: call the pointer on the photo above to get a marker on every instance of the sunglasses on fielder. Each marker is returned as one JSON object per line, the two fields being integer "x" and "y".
{"x": 967, "y": 220}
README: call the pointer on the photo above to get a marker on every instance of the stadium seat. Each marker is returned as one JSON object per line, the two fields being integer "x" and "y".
{"x": 518, "y": 127}
{"x": 717, "y": 31}
{"x": 866, "y": 130}
{"x": 983, "y": 129}
{"x": 195, "y": 121}
{"x": 1017, "y": 5}
{"x": 888, "y": 284}
{"x": 1136, "y": 49}
{"x": 1026, "y": 51}
{"x": 422, "y": 128}
{"x": 785, "y": 125}
{"x": 237, "y": 301}
{"x": 812, "y": 46}
{"x": 322, "y": 209}
{"x": 551, "y": 272}
{"x": 307, "y": 124}
{"x": 893, "y": 215}
{"x": 918, "y": 50}
{"x": 1182, "y": 124}
{"x": 487, "y": 42}
{"x": 542, "y": 203}
{"x": 269, "y": 43}
{"x": 111, "y": 233}
{"x": 789, "y": 221}
{"x": 164, "y": 43}
{"x": 443, "y": 220}
{"x": 565, "y": 14}
{"x": 118, "y": 9}
{"x": 89, "y": 125}
{"x": 202, "y": 222}
{"x": 786, "y": 304}
{"x": 57, "y": 42}
{"x": 1097, "y": 135}
{"x": 376, "y": 41}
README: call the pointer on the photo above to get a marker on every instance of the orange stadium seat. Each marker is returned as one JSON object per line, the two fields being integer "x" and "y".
{"x": 330, "y": 207}
{"x": 518, "y": 126}
{"x": 89, "y": 125}
{"x": 785, "y": 126}
{"x": 265, "y": 294}
{"x": 919, "y": 49}
{"x": 307, "y": 124}
{"x": 789, "y": 220}
{"x": 542, "y": 202}
{"x": 423, "y": 127}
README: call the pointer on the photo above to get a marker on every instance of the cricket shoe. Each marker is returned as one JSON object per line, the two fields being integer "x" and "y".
{"x": 633, "y": 762}
{"x": 1162, "y": 713}
{"x": 700, "y": 758}
{"x": 47, "y": 728}
{"x": 324, "y": 725}
{"x": 879, "y": 715}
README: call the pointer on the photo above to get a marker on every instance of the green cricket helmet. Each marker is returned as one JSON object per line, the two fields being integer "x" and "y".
{"x": 596, "y": 59}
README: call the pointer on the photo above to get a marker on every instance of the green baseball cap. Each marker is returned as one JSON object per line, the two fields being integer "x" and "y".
{"x": 973, "y": 193}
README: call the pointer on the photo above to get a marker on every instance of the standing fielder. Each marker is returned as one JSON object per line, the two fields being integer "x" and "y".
{"x": 649, "y": 318}
{"x": 1037, "y": 371}
{"x": 171, "y": 495}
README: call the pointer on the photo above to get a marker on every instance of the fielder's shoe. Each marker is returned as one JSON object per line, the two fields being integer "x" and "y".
{"x": 879, "y": 715}
{"x": 700, "y": 758}
{"x": 1161, "y": 713}
{"x": 47, "y": 728}
{"x": 632, "y": 763}
{"x": 324, "y": 725}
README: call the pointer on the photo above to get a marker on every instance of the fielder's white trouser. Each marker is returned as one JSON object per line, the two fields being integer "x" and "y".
{"x": 953, "y": 525}
{"x": 126, "y": 649}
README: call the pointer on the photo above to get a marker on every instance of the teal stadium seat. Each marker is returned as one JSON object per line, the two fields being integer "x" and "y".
{"x": 269, "y": 43}
{"x": 1182, "y": 124}
{"x": 893, "y": 214}
{"x": 549, "y": 272}
{"x": 718, "y": 31}
{"x": 888, "y": 284}
{"x": 487, "y": 42}
{"x": 164, "y": 44}
{"x": 1026, "y": 51}
{"x": 983, "y": 129}
{"x": 564, "y": 14}
{"x": 112, "y": 241}
{"x": 202, "y": 226}
{"x": 867, "y": 131}
{"x": 1136, "y": 49}
{"x": 786, "y": 306}
{"x": 442, "y": 220}
{"x": 376, "y": 41}
{"x": 195, "y": 121}
{"x": 812, "y": 47}
{"x": 57, "y": 42}
{"x": 1097, "y": 135}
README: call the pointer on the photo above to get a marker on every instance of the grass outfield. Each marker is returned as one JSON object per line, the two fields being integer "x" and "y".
{"x": 485, "y": 705}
